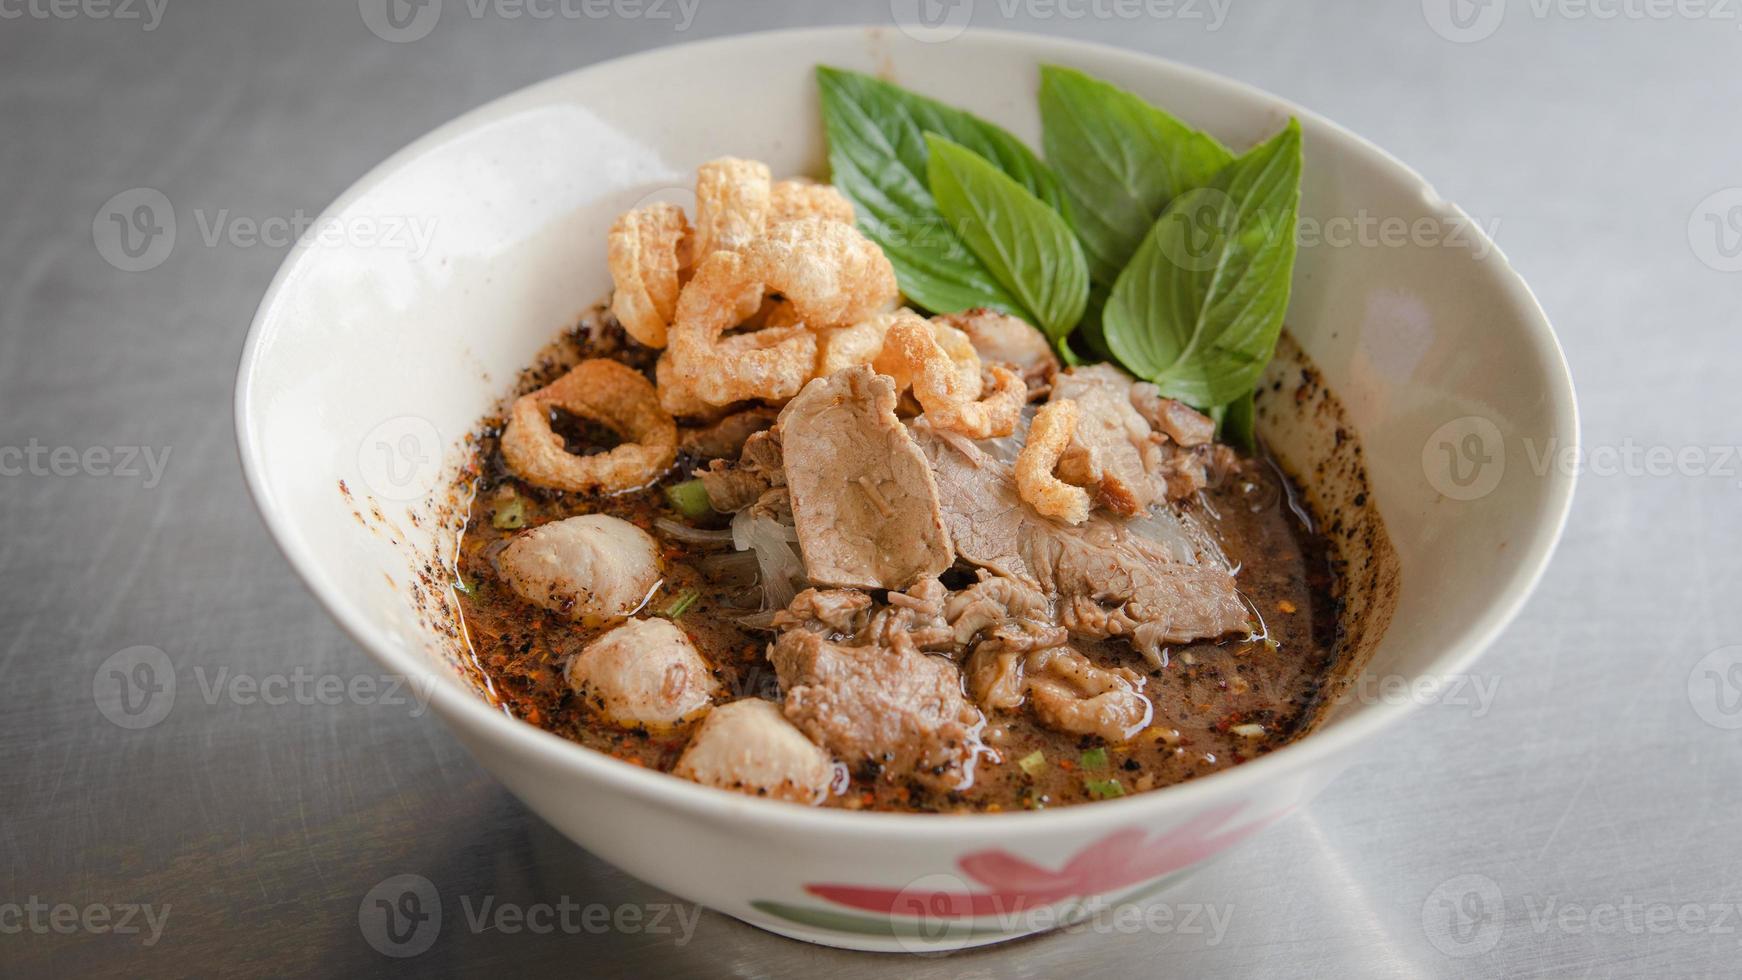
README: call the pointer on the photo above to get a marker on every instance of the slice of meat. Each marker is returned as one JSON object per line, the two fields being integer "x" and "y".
{"x": 1110, "y": 579}
{"x": 985, "y": 518}
{"x": 644, "y": 674}
{"x": 1106, "y": 454}
{"x": 749, "y": 747}
{"x": 732, "y": 487}
{"x": 1009, "y": 340}
{"x": 1114, "y": 582}
{"x": 863, "y": 499}
{"x": 1073, "y": 695}
{"x": 995, "y": 677}
{"x": 725, "y": 439}
{"x": 1017, "y": 616}
{"x": 882, "y": 709}
{"x": 1179, "y": 421}
{"x": 591, "y": 569}
{"x": 840, "y": 613}
{"x": 1069, "y": 692}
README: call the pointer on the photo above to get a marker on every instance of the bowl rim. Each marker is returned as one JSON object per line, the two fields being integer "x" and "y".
{"x": 477, "y": 719}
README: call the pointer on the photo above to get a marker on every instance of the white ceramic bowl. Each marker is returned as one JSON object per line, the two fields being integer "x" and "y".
{"x": 428, "y": 285}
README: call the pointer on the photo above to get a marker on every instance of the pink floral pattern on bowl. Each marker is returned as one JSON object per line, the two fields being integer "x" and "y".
{"x": 1013, "y": 885}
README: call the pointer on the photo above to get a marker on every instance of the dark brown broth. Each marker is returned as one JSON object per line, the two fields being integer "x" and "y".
{"x": 1204, "y": 691}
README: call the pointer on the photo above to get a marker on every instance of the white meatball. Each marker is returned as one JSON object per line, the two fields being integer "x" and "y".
{"x": 643, "y": 674}
{"x": 748, "y": 746}
{"x": 591, "y": 569}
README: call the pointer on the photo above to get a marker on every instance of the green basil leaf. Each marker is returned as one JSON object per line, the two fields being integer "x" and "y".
{"x": 905, "y": 117}
{"x": 1199, "y": 308}
{"x": 1028, "y": 246}
{"x": 1119, "y": 160}
{"x": 878, "y": 157}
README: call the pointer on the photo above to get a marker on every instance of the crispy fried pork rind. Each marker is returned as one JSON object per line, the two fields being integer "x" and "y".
{"x": 646, "y": 251}
{"x": 1048, "y": 436}
{"x": 772, "y": 363}
{"x": 839, "y": 348}
{"x": 607, "y": 392}
{"x": 677, "y": 397}
{"x": 792, "y": 200}
{"x": 912, "y": 354}
{"x": 732, "y": 204}
{"x": 829, "y": 276}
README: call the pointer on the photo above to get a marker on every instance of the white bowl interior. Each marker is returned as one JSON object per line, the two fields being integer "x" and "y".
{"x": 370, "y": 362}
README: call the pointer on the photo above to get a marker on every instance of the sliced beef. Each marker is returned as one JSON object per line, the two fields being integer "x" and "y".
{"x": 1107, "y": 451}
{"x": 1177, "y": 420}
{"x": 985, "y": 517}
{"x": 725, "y": 439}
{"x": 895, "y": 711}
{"x": 838, "y": 613}
{"x": 1073, "y": 695}
{"x": 1005, "y": 611}
{"x": 1133, "y": 447}
{"x": 863, "y": 499}
{"x": 1113, "y": 582}
{"x": 1109, "y": 578}
{"x": 1069, "y": 692}
{"x": 732, "y": 487}
{"x": 1008, "y": 340}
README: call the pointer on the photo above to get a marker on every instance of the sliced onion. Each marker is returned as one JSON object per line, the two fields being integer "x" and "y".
{"x": 763, "y": 620}
{"x": 777, "y": 556}
{"x": 692, "y": 535}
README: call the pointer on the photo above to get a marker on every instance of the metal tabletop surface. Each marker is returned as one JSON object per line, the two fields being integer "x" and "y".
{"x": 1572, "y": 811}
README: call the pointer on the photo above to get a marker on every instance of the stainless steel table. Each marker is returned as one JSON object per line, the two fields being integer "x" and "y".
{"x": 1576, "y": 816}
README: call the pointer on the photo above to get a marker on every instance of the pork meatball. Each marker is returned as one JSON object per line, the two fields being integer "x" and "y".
{"x": 591, "y": 569}
{"x": 749, "y": 747}
{"x": 643, "y": 674}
